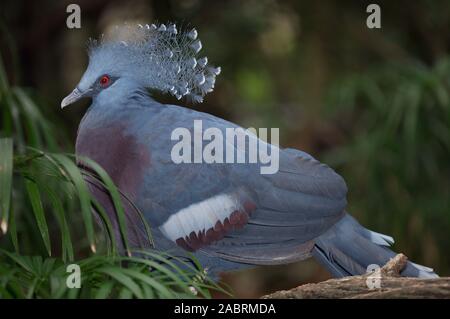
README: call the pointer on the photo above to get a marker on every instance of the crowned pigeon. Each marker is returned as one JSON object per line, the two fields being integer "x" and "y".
{"x": 228, "y": 214}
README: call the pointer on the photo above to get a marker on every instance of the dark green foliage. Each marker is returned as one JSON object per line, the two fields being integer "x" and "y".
{"x": 398, "y": 123}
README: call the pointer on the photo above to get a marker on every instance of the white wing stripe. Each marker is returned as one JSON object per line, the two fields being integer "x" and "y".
{"x": 199, "y": 216}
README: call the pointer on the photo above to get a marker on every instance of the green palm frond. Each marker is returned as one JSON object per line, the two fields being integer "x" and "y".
{"x": 100, "y": 277}
{"x": 51, "y": 183}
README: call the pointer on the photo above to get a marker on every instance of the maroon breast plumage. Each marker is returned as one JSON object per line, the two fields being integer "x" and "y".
{"x": 118, "y": 153}
{"x": 125, "y": 161}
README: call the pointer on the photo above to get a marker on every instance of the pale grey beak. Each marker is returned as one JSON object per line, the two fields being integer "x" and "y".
{"x": 72, "y": 98}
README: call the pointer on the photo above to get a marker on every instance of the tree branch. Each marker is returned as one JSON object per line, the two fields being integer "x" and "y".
{"x": 391, "y": 286}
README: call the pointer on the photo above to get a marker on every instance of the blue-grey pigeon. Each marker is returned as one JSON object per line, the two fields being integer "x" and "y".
{"x": 229, "y": 215}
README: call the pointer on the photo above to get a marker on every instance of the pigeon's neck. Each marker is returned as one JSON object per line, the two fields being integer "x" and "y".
{"x": 121, "y": 95}
{"x": 119, "y": 103}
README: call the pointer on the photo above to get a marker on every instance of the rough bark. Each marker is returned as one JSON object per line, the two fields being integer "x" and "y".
{"x": 391, "y": 286}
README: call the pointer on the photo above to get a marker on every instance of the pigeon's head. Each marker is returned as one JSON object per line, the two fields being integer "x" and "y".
{"x": 153, "y": 57}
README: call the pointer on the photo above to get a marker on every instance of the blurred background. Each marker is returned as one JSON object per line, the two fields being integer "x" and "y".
{"x": 372, "y": 103}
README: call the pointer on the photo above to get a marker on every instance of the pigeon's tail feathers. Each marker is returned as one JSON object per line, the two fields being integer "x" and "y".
{"x": 160, "y": 57}
{"x": 348, "y": 249}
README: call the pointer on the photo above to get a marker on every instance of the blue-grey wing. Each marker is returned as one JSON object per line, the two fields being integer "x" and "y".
{"x": 232, "y": 210}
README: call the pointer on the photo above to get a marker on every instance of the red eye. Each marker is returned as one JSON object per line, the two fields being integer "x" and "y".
{"x": 104, "y": 80}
